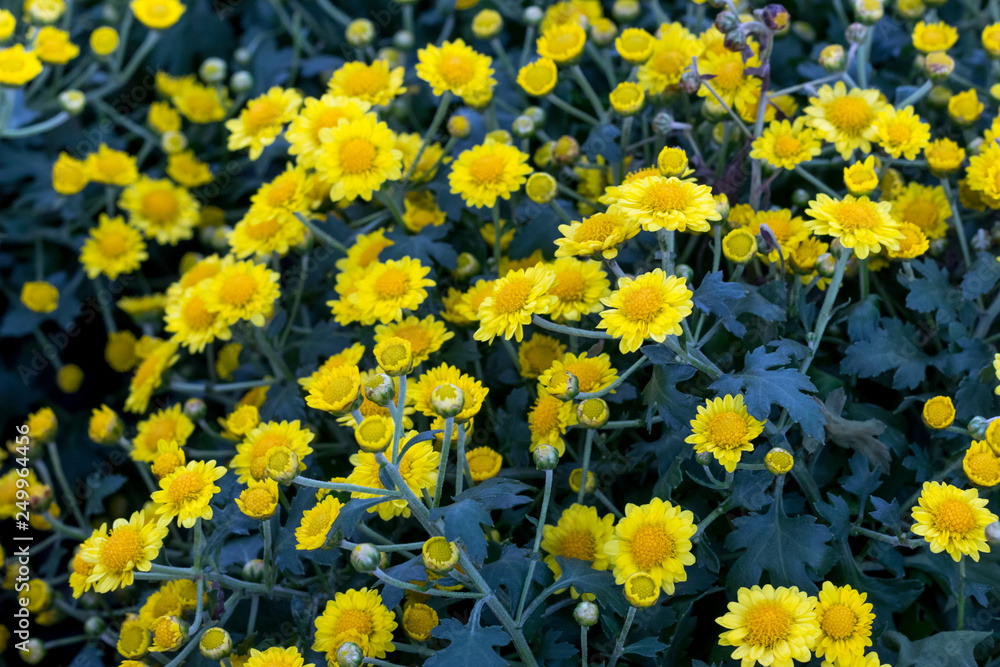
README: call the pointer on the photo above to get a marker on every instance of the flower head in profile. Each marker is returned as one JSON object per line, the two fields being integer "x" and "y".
{"x": 18, "y": 66}
{"x": 116, "y": 554}
{"x": 314, "y": 528}
{"x": 374, "y": 84}
{"x": 149, "y": 376}
{"x": 276, "y": 656}
{"x": 356, "y": 616}
{"x": 488, "y": 171}
{"x": 516, "y": 298}
{"x": 598, "y": 233}
{"x": 952, "y": 520}
{"x": 157, "y": 14}
{"x": 579, "y": 533}
{"x": 251, "y": 458}
{"x": 187, "y": 491}
{"x": 654, "y": 538}
{"x": 725, "y": 429}
{"x": 262, "y": 120}
{"x": 454, "y": 67}
{"x": 931, "y": 37}
{"x": 657, "y": 202}
{"x": 651, "y": 305}
{"x": 770, "y": 626}
{"x": 859, "y": 223}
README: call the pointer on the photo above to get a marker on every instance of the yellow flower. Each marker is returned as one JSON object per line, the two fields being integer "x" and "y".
{"x": 536, "y": 355}
{"x": 17, "y": 66}
{"x": 157, "y": 14}
{"x": 579, "y": 286}
{"x": 40, "y": 296}
{"x": 668, "y": 203}
{"x": 627, "y": 98}
{"x": 120, "y": 351}
{"x": 188, "y": 170}
{"x": 516, "y": 298}
{"x": 69, "y": 378}
{"x": 335, "y": 390}
{"x": 199, "y": 103}
{"x": 593, "y": 373}
{"x": 316, "y": 523}
{"x": 965, "y": 108}
{"x": 454, "y": 67}
{"x": 376, "y": 84}
{"x": 187, "y": 491}
{"x": 315, "y": 116}
{"x": 601, "y": 232}
{"x": 131, "y": 545}
{"x": 418, "y": 467}
{"x": 900, "y": 132}
{"x": 981, "y": 464}
{"x": 671, "y": 56}
{"x": 425, "y": 385}
{"x": 260, "y": 499}
{"x": 651, "y": 305}
{"x": 938, "y": 412}
{"x": 579, "y": 533}
{"x": 785, "y": 144}
{"x": 562, "y": 44}
{"x": 635, "y": 45}
{"x": 243, "y": 290}
{"x": 425, "y": 336}
{"x": 418, "y": 621}
{"x": 169, "y": 457}
{"x": 484, "y": 463}
{"x": 548, "y": 420}
{"x": 250, "y": 461}
{"x": 487, "y": 171}
{"x": 913, "y": 244}
{"x": 770, "y": 626}
{"x": 374, "y": 433}
{"x": 991, "y": 40}
{"x": 193, "y": 322}
{"x": 788, "y": 231}
{"x": 276, "y": 656}
{"x": 420, "y": 210}
{"x": 169, "y": 424}
{"x": 996, "y": 371}
{"x": 104, "y": 40}
{"x": 160, "y": 209}
{"x": 356, "y": 616}
{"x": 861, "y": 224}
{"x": 952, "y": 520}
{"x": 981, "y": 181}
{"x": 409, "y": 143}
{"x": 111, "y": 167}
{"x": 7, "y": 24}
{"x": 386, "y": 289}
{"x": 538, "y": 78}
{"x": 846, "y": 118}
{"x": 69, "y": 175}
{"x": 656, "y": 539}
{"x": 52, "y": 45}
{"x": 860, "y": 178}
{"x": 749, "y": 95}
{"x": 134, "y": 638}
{"x": 926, "y": 207}
{"x": 582, "y": 12}
{"x": 112, "y": 248}
{"x": 724, "y": 428}
{"x": 739, "y": 245}
{"x": 262, "y": 120}
{"x": 104, "y": 426}
{"x": 930, "y": 37}
{"x": 80, "y": 570}
{"x": 944, "y": 156}
{"x": 845, "y": 622}
{"x": 358, "y": 157}
{"x": 729, "y": 77}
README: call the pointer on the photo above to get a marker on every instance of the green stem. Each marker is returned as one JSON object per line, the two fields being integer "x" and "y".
{"x": 37, "y": 128}
{"x": 204, "y": 388}
{"x": 588, "y": 91}
{"x": 666, "y": 239}
{"x": 572, "y": 110}
{"x": 71, "y": 500}
{"x": 296, "y": 300}
{"x": 539, "y": 530}
{"x": 559, "y": 328}
{"x": 732, "y": 114}
{"x": 916, "y": 95}
{"x": 265, "y": 529}
{"x": 824, "y": 314}
{"x": 642, "y": 361}
{"x": 583, "y": 646}
{"x": 397, "y": 420}
{"x": 430, "y": 590}
{"x": 339, "y": 486}
{"x": 820, "y": 185}
{"x": 497, "y": 236}
{"x": 961, "y": 594}
{"x": 620, "y": 644}
{"x": 439, "y": 115}
{"x": 462, "y": 471}
{"x": 863, "y": 278}
{"x": 320, "y": 234}
{"x": 588, "y": 446}
{"x": 449, "y": 425}
{"x": 959, "y": 228}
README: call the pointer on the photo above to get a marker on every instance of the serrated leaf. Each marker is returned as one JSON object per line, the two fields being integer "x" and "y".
{"x": 764, "y": 384}
{"x": 469, "y": 644}
{"x": 661, "y": 394}
{"x": 945, "y": 649}
{"x": 863, "y": 319}
{"x": 859, "y": 436}
{"x": 837, "y": 514}
{"x": 932, "y": 292}
{"x": 585, "y": 579}
{"x": 551, "y": 651}
{"x": 717, "y": 297}
{"x": 104, "y": 488}
{"x": 982, "y": 276}
{"x": 648, "y": 646}
{"x": 888, "y": 514}
{"x": 428, "y": 246}
{"x": 412, "y": 570}
{"x": 510, "y": 570}
{"x": 892, "y": 347}
{"x": 463, "y": 522}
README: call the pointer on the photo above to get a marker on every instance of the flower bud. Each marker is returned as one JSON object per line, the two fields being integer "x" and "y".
{"x": 173, "y": 141}
{"x": 586, "y": 614}
{"x": 938, "y": 66}
{"x": 566, "y": 150}
{"x": 523, "y": 127}
{"x": 282, "y": 465}
{"x": 169, "y": 633}
{"x": 856, "y": 33}
{"x": 40, "y": 500}
{"x": 394, "y": 356}
{"x": 721, "y": 206}
{"x": 195, "y": 409}
{"x": 532, "y": 15}
{"x": 458, "y": 126}
{"x": 684, "y": 271}
{"x": 379, "y": 389}
{"x": 833, "y": 58}
{"x": 938, "y": 98}
{"x": 992, "y": 435}
{"x": 447, "y": 400}
{"x": 574, "y": 481}
{"x": 735, "y": 40}
{"x": 253, "y": 570}
{"x": 779, "y": 461}
{"x": 980, "y": 241}
{"x": 94, "y": 626}
{"x": 536, "y": 114}
{"x": 626, "y": 11}
{"x": 690, "y": 82}
{"x": 563, "y": 385}
{"x": 703, "y": 458}
{"x": 993, "y": 533}
{"x": 72, "y": 101}
{"x": 213, "y": 70}
{"x": 801, "y": 197}
{"x": 938, "y": 412}
{"x": 592, "y": 412}
{"x": 440, "y": 556}
{"x": 739, "y": 245}
{"x": 241, "y": 81}
{"x": 243, "y": 55}
{"x": 541, "y": 187}
{"x": 468, "y": 265}
{"x": 776, "y": 17}
{"x": 360, "y": 32}
{"x": 727, "y": 21}
{"x": 826, "y": 264}
{"x": 487, "y": 24}
{"x": 403, "y": 40}
{"x": 672, "y": 161}
{"x": 663, "y": 122}
{"x": 216, "y": 643}
{"x": 349, "y": 654}
{"x": 33, "y": 651}
{"x": 365, "y": 558}
{"x": 546, "y": 457}
{"x": 642, "y": 590}
{"x": 869, "y": 12}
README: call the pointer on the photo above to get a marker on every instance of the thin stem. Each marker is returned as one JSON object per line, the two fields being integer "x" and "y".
{"x": 588, "y": 91}
{"x": 620, "y": 644}
{"x": 397, "y": 420}
{"x": 320, "y": 234}
{"x": 430, "y": 590}
{"x": 815, "y": 181}
{"x": 572, "y": 110}
{"x": 539, "y": 530}
{"x": 916, "y": 95}
{"x": 824, "y": 314}
{"x": 340, "y": 486}
{"x": 462, "y": 471}
{"x": 204, "y": 388}
{"x": 888, "y": 539}
{"x": 739, "y": 121}
{"x": 666, "y": 239}
{"x": 642, "y": 361}
{"x": 863, "y": 279}
{"x": 449, "y": 425}
{"x": 265, "y": 529}
{"x": 71, "y": 500}
{"x": 961, "y": 595}
{"x": 559, "y": 328}
{"x": 588, "y": 446}
{"x": 497, "y": 236}
{"x": 583, "y": 646}
{"x": 439, "y": 115}
{"x": 959, "y": 228}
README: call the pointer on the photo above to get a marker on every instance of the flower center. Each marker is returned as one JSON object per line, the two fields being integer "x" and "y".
{"x": 281, "y": 191}
{"x": 13, "y": 62}
{"x": 666, "y": 197}
{"x": 258, "y": 500}
{"x": 268, "y": 441}
{"x": 670, "y": 62}
{"x": 851, "y": 115}
{"x": 394, "y": 354}
{"x": 856, "y": 215}
{"x": 728, "y": 76}
{"x": 392, "y": 284}
{"x": 545, "y": 416}
{"x": 160, "y": 205}
{"x": 767, "y": 623}
{"x": 354, "y": 619}
{"x": 651, "y": 545}
{"x": 238, "y": 289}
{"x": 363, "y": 82}
{"x": 263, "y": 228}
{"x": 421, "y": 620}
{"x": 487, "y": 169}
{"x": 185, "y": 487}
{"x": 643, "y": 587}
{"x": 457, "y": 69}
{"x": 259, "y": 115}
{"x": 642, "y": 304}
{"x": 357, "y": 155}
{"x": 839, "y": 621}
{"x": 922, "y": 213}
{"x": 482, "y": 463}
{"x": 579, "y": 543}
{"x": 985, "y": 467}
{"x": 955, "y": 516}
{"x": 564, "y": 41}
{"x": 786, "y": 146}
{"x": 728, "y": 430}
{"x": 318, "y": 521}
{"x": 122, "y": 550}
{"x": 597, "y": 227}
{"x": 538, "y": 78}
{"x": 512, "y": 296}
{"x": 337, "y": 389}
{"x": 569, "y": 285}
{"x": 196, "y": 314}
{"x": 133, "y": 637}
{"x": 587, "y": 373}
{"x": 112, "y": 245}
{"x": 164, "y": 464}
{"x": 739, "y": 245}
{"x": 440, "y": 550}
{"x": 372, "y": 430}
{"x": 898, "y": 133}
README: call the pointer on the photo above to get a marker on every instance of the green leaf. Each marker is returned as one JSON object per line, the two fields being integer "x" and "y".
{"x": 648, "y": 646}
{"x": 859, "y": 436}
{"x": 892, "y": 347}
{"x": 470, "y": 644}
{"x": 96, "y": 496}
{"x": 945, "y": 649}
{"x": 793, "y": 551}
{"x": 718, "y": 297}
{"x": 464, "y": 521}
{"x": 932, "y": 292}
{"x": 764, "y": 385}
{"x": 661, "y": 394}
{"x": 982, "y": 276}
{"x": 510, "y": 570}
{"x": 585, "y": 579}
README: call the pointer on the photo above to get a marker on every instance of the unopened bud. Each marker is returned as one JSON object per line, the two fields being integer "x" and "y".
{"x": 213, "y": 70}
{"x": 776, "y": 17}
{"x": 380, "y": 389}
{"x": 592, "y": 412}
{"x": 447, "y": 400}
{"x": 72, "y": 101}
{"x": 726, "y": 21}
{"x": 365, "y": 558}
{"x": 241, "y": 81}
{"x": 735, "y": 40}
{"x": 779, "y": 461}
{"x": 216, "y": 643}
{"x": 195, "y": 408}
{"x": 586, "y": 614}
{"x": 468, "y": 265}
{"x": 546, "y": 457}
{"x": 349, "y": 654}
{"x": 856, "y": 33}
{"x": 833, "y": 58}
{"x": 253, "y": 570}
{"x": 403, "y": 40}
{"x": 523, "y": 127}
{"x": 532, "y": 15}
{"x": 663, "y": 122}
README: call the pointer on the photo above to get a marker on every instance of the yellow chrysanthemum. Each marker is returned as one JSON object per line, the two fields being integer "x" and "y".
{"x": 356, "y": 158}
{"x": 409, "y": 143}
{"x": 770, "y": 626}
{"x": 548, "y": 420}
{"x": 187, "y": 170}
{"x": 454, "y": 67}
{"x": 316, "y": 522}
{"x": 250, "y": 461}
{"x": 426, "y": 336}
{"x": 111, "y": 167}
{"x": 243, "y": 291}
{"x": 861, "y": 178}
{"x": 112, "y": 248}
{"x": 598, "y": 233}
{"x": 356, "y": 616}
{"x": 728, "y": 75}
{"x": 169, "y": 457}
{"x": 579, "y": 533}
{"x": 582, "y": 12}
{"x": 131, "y": 545}
{"x": 418, "y": 621}
{"x": 516, "y": 298}
{"x": 787, "y": 230}
{"x": 53, "y": 45}
{"x": 334, "y": 389}
{"x": 658, "y": 203}
{"x": 785, "y": 145}
{"x": 160, "y": 209}
{"x": 193, "y": 323}
{"x": 952, "y": 520}
{"x": 901, "y": 133}
{"x": 926, "y": 207}
{"x": 420, "y": 209}
{"x": 200, "y": 103}
{"x": 579, "y": 286}
{"x": 984, "y": 175}
{"x": 169, "y": 424}
{"x": 425, "y": 385}
{"x": 536, "y": 355}
{"x": 376, "y": 84}
{"x": 931, "y": 37}
{"x": 18, "y": 66}
{"x": 157, "y": 14}
{"x": 594, "y": 373}
{"x": 944, "y": 156}
{"x": 418, "y": 466}
{"x": 163, "y": 602}
{"x": 315, "y": 116}
{"x": 846, "y": 118}
{"x": 385, "y": 289}
{"x": 671, "y": 56}
{"x": 913, "y": 244}
{"x": 149, "y": 376}
{"x": 981, "y": 464}
{"x": 651, "y": 305}
{"x": 488, "y": 171}
{"x": 187, "y": 491}
{"x": 562, "y": 44}
{"x": 484, "y": 463}
{"x": 69, "y": 175}
{"x": 656, "y": 539}
{"x": 845, "y": 622}
{"x": 724, "y": 428}
{"x": 260, "y": 499}
{"x": 276, "y": 656}
{"x": 263, "y": 231}
{"x": 80, "y": 570}
{"x": 861, "y": 224}
{"x": 539, "y": 77}
{"x": 134, "y": 638}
